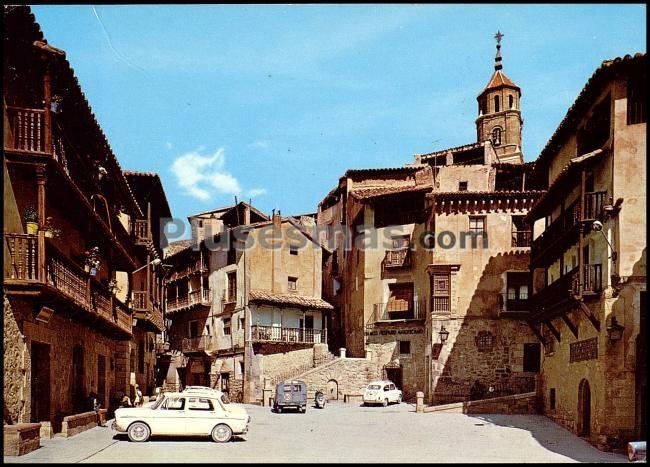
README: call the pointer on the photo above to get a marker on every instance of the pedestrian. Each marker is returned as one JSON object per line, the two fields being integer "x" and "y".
{"x": 137, "y": 400}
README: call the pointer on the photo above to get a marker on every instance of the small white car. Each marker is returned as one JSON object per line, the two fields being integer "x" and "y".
{"x": 381, "y": 392}
{"x": 183, "y": 414}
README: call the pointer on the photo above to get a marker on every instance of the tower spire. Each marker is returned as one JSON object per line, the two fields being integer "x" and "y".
{"x": 497, "y": 59}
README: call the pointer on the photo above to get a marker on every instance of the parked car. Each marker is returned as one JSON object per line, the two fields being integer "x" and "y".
{"x": 381, "y": 392}
{"x": 290, "y": 394}
{"x": 183, "y": 414}
{"x": 198, "y": 389}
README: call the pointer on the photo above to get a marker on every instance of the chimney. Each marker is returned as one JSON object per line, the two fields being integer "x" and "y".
{"x": 277, "y": 218}
{"x": 247, "y": 214}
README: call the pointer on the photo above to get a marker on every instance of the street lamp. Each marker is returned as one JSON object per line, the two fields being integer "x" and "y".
{"x": 614, "y": 330}
{"x": 155, "y": 262}
{"x": 597, "y": 226}
{"x": 444, "y": 334}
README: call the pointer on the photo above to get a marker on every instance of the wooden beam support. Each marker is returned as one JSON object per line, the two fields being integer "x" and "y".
{"x": 572, "y": 327}
{"x": 590, "y": 316}
{"x": 537, "y": 333}
{"x": 554, "y": 331}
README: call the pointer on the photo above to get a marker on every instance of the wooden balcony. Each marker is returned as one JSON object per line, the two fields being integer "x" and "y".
{"x": 399, "y": 310}
{"x": 196, "y": 267}
{"x": 34, "y": 263}
{"x": 197, "y": 344}
{"x": 147, "y": 311}
{"x": 27, "y": 130}
{"x": 398, "y": 258}
{"x": 194, "y": 298}
{"x": 564, "y": 231}
{"x": 141, "y": 232}
{"x": 281, "y": 334}
{"x": 521, "y": 238}
{"x": 567, "y": 290}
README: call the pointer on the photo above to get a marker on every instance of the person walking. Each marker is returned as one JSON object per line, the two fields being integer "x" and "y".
{"x": 137, "y": 400}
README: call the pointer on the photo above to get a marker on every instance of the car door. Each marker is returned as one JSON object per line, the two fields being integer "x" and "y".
{"x": 169, "y": 418}
{"x": 203, "y": 413}
{"x": 387, "y": 394}
{"x": 394, "y": 393}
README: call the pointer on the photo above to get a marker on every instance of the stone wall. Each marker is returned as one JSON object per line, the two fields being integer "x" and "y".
{"x": 21, "y": 438}
{"x": 516, "y": 404}
{"x": 14, "y": 346}
{"x": 341, "y": 376}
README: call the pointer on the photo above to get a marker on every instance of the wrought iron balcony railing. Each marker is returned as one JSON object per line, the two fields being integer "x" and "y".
{"x": 282, "y": 334}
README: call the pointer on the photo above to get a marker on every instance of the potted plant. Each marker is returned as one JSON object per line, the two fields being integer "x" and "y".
{"x": 55, "y": 103}
{"x": 50, "y": 230}
{"x": 31, "y": 219}
{"x": 113, "y": 287}
{"x": 93, "y": 261}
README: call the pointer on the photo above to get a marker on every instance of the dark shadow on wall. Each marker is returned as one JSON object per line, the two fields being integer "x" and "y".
{"x": 484, "y": 354}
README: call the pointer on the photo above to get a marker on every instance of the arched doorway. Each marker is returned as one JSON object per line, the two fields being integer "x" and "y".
{"x": 584, "y": 409}
{"x": 332, "y": 390}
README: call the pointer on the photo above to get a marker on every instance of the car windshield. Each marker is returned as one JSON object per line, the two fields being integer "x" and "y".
{"x": 374, "y": 386}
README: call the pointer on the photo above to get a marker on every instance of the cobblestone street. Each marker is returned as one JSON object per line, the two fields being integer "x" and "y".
{"x": 344, "y": 433}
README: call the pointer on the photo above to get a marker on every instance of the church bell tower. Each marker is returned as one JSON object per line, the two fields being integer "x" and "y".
{"x": 499, "y": 115}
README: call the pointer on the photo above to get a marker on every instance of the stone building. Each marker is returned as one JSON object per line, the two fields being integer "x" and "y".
{"x": 75, "y": 239}
{"x": 264, "y": 313}
{"x": 439, "y": 246}
{"x": 589, "y": 259}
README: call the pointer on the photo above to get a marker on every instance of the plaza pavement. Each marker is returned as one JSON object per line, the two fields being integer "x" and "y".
{"x": 343, "y": 433}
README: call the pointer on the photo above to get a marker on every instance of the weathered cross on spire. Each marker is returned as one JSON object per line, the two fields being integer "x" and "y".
{"x": 497, "y": 59}
{"x": 498, "y": 37}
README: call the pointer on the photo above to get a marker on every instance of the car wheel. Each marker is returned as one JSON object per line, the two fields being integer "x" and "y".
{"x": 139, "y": 432}
{"x": 385, "y": 403}
{"x": 221, "y": 433}
{"x": 303, "y": 409}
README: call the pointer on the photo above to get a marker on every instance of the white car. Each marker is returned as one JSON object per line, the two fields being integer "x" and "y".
{"x": 207, "y": 390}
{"x": 183, "y": 414}
{"x": 381, "y": 392}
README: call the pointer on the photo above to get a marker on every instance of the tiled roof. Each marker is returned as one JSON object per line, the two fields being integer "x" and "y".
{"x": 143, "y": 182}
{"x": 365, "y": 193}
{"x": 23, "y": 14}
{"x": 479, "y": 194}
{"x": 176, "y": 247}
{"x": 499, "y": 79}
{"x": 288, "y": 299}
{"x": 464, "y": 147}
{"x": 584, "y": 99}
{"x": 406, "y": 168}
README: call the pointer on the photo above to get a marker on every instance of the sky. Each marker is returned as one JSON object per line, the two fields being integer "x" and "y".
{"x": 273, "y": 103}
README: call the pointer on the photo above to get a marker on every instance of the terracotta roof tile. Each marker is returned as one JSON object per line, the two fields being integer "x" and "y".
{"x": 365, "y": 193}
{"x": 289, "y": 299}
{"x": 499, "y": 79}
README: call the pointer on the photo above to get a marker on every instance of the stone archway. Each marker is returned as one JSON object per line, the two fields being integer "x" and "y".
{"x": 332, "y": 390}
{"x": 584, "y": 409}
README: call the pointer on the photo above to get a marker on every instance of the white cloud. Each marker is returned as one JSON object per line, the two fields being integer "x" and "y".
{"x": 204, "y": 176}
{"x": 263, "y": 144}
{"x": 254, "y": 192}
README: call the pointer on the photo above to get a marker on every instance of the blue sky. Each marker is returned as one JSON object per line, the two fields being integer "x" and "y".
{"x": 275, "y": 102}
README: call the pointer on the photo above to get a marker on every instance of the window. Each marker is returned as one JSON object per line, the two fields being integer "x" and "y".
{"x": 552, "y": 398}
{"x": 517, "y": 288}
{"x": 532, "y": 357}
{"x": 496, "y": 104}
{"x": 477, "y": 225}
{"x": 462, "y": 186}
{"x": 511, "y": 101}
{"x": 441, "y": 292}
{"x": 200, "y": 403}
{"x": 293, "y": 250}
{"x": 241, "y": 322}
{"x": 401, "y": 241}
{"x": 521, "y": 234}
{"x": 241, "y": 367}
{"x": 496, "y": 136}
{"x": 226, "y": 326}
{"x": 193, "y": 328}
{"x": 404, "y": 347}
{"x": 225, "y": 382}
{"x": 232, "y": 286}
{"x": 292, "y": 284}
{"x": 596, "y": 130}
{"x": 636, "y": 100}
{"x": 174, "y": 403}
